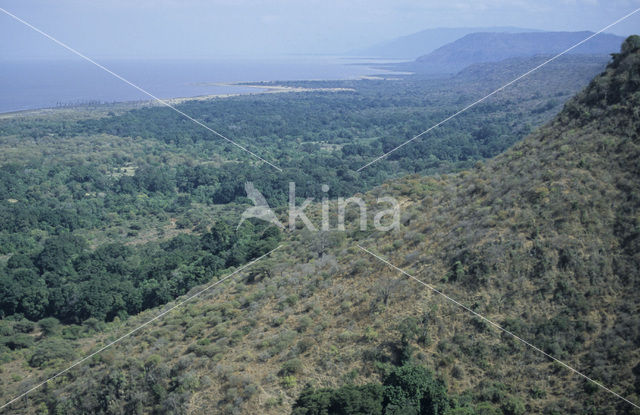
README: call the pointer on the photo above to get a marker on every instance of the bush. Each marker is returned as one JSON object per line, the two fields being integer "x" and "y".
{"x": 461, "y": 411}
{"x": 486, "y": 408}
{"x": 93, "y": 324}
{"x": 513, "y": 406}
{"x": 50, "y": 350}
{"x": 50, "y": 326}
{"x": 304, "y": 323}
{"x": 17, "y": 341}
{"x": 305, "y": 344}
{"x": 291, "y": 367}
{"x": 24, "y": 326}
{"x": 289, "y": 382}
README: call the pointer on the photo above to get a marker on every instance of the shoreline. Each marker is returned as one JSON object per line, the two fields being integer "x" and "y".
{"x": 264, "y": 89}
{"x": 126, "y": 105}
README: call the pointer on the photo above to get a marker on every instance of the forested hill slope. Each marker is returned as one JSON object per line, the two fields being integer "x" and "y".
{"x": 543, "y": 240}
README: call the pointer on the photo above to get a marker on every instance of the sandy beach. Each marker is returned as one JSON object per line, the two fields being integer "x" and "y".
{"x": 260, "y": 89}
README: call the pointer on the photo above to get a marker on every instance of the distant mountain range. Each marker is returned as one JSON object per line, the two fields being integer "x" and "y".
{"x": 420, "y": 43}
{"x": 477, "y": 48}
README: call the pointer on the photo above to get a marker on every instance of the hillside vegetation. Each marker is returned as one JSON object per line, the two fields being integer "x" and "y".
{"x": 544, "y": 240}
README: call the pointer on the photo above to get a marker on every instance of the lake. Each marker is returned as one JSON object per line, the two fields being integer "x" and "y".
{"x": 32, "y": 84}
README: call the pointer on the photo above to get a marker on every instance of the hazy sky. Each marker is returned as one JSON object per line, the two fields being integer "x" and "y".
{"x": 216, "y": 28}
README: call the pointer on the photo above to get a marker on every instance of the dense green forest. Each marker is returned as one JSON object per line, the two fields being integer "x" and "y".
{"x": 68, "y": 281}
{"x": 405, "y": 390}
{"x": 108, "y": 217}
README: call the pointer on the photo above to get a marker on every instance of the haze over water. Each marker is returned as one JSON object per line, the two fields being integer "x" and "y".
{"x": 32, "y": 84}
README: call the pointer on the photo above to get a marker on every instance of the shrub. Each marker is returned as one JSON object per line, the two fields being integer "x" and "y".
{"x": 17, "y": 341}
{"x": 24, "y": 326}
{"x": 304, "y": 323}
{"x": 486, "y": 408}
{"x": 152, "y": 361}
{"x": 370, "y": 335}
{"x": 513, "y": 406}
{"x": 93, "y": 324}
{"x": 291, "y": 367}
{"x": 50, "y": 326}
{"x": 289, "y": 382}
{"x": 461, "y": 411}
{"x": 50, "y": 350}
{"x": 305, "y": 344}
{"x": 71, "y": 332}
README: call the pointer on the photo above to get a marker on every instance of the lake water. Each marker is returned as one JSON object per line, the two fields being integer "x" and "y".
{"x": 42, "y": 84}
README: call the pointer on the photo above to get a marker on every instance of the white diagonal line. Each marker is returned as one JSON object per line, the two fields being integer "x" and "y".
{"x": 498, "y": 90}
{"x": 480, "y": 316}
{"x": 163, "y": 102}
{"x": 181, "y": 303}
